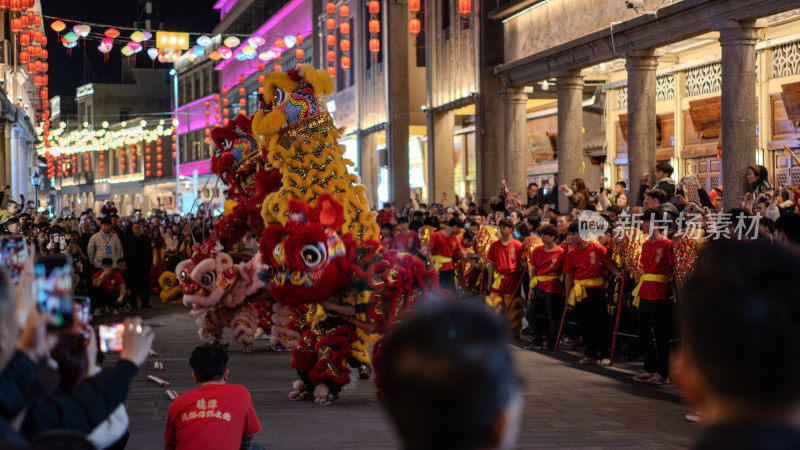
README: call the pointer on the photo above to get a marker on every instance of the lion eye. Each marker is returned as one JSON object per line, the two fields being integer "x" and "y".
{"x": 279, "y": 96}
{"x": 313, "y": 255}
{"x": 208, "y": 278}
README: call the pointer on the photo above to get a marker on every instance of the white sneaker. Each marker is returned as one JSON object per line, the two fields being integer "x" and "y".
{"x": 97, "y": 312}
{"x": 658, "y": 380}
{"x": 604, "y": 362}
{"x": 643, "y": 377}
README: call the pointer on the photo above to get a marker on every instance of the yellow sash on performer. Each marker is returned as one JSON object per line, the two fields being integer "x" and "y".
{"x": 647, "y": 277}
{"x": 539, "y": 278}
{"x": 498, "y": 280}
{"x": 440, "y": 260}
{"x": 578, "y": 291}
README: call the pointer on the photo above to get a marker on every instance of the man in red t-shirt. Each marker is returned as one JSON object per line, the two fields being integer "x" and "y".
{"x": 112, "y": 291}
{"x": 443, "y": 250}
{"x": 214, "y": 415}
{"x": 655, "y": 309}
{"x": 585, "y": 270}
{"x": 405, "y": 240}
{"x": 546, "y": 306}
{"x": 505, "y": 264}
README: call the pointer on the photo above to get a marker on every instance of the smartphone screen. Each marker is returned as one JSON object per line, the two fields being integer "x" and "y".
{"x": 13, "y": 255}
{"x": 110, "y": 337}
{"x": 83, "y": 309}
{"x": 54, "y": 287}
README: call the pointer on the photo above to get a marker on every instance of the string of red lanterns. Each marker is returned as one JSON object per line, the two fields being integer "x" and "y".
{"x": 374, "y": 8}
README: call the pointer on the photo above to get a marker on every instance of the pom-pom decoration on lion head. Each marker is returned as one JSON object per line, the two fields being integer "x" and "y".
{"x": 298, "y": 137}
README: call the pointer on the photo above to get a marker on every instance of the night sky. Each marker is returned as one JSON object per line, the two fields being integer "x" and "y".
{"x": 67, "y": 72}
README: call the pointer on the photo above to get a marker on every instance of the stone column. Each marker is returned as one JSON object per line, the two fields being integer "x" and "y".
{"x": 739, "y": 141}
{"x": 6, "y": 156}
{"x": 641, "y": 66}
{"x": 490, "y": 139}
{"x": 516, "y": 140}
{"x": 569, "y": 87}
{"x": 368, "y": 166}
{"x": 396, "y": 61}
{"x": 442, "y": 156}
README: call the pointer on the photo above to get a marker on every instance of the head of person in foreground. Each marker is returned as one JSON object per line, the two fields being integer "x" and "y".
{"x": 448, "y": 379}
{"x": 739, "y": 320}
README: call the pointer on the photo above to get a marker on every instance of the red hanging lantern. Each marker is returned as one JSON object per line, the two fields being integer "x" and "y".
{"x": 16, "y": 5}
{"x": 277, "y": 68}
{"x": 158, "y": 157}
{"x": 374, "y": 6}
{"x": 299, "y": 38}
{"x": 330, "y": 39}
{"x": 413, "y": 5}
{"x": 25, "y": 21}
{"x": 345, "y": 62}
{"x": 414, "y": 26}
{"x": 225, "y": 111}
{"x": 374, "y": 26}
{"x": 242, "y": 91}
{"x": 207, "y": 132}
{"x": 24, "y": 39}
{"x": 344, "y": 10}
{"x": 330, "y": 7}
{"x": 241, "y": 79}
{"x": 216, "y": 97}
{"x": 4, "y": 4}
{"x": 299, "y": 53}
{"x": 329, "y": 24}
{"x": 225, "y": 101}
{"x": 16, "y": 25}
{"x": 261, "y": 67}
{"x": 344, "y": 45}
{"x": 344, "y": 28}
{"x": 208, "y": 113}
{"x": 332, "y": 71}
{"x": 464, "y": 7}
{"x": 242, "y": 102}
{"x": 24, "y": 57}
{"x": 331, "y": 55}
{"x": 374, "y": 45}
{"x": 158, "y": 173}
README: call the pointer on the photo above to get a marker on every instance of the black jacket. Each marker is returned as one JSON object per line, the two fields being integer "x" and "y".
{"x": 82, "y": 409}
{"x": 138, "y": 253}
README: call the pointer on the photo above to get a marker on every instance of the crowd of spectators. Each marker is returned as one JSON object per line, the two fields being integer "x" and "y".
{"x": 136, "y": 249}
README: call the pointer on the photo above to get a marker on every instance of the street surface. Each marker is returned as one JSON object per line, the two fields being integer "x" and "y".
{"x": 566, "y": 405}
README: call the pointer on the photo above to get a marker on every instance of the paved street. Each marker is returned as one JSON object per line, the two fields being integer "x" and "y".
{"x": 567, "y": 406}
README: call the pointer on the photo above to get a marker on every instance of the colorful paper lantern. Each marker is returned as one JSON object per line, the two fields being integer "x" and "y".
{"x": 112, "y": 33}
{"x": 203, "y": 41}
{"x": 414, "y": 5}
{"x": 231, "y": 41}
{"x": 332, "y": 71}
{"x": 344, "y": 28}
{"x": 256, "y": 41}
{"x": 464, "y": 7}
{"x": 299, "y": 53}
{"x": 374, "y": 45}
{"x": 375, "y": 26}
{"x": 374, "y": 7}
{"x": 345, "y": 62}
{"x": 330, "y": 39}
{"x": 344, "y": 10}
{"x": 82, "y": 30}
{"x": 330, "y": 23}
{"x": 414, "y": 26}
{"x": 330, "y": 7}
{"x": 277, "y": 68}
{"x": 299, "y": 39}
{"x": 344, "y": 45}
{"x": 331, "y": 55}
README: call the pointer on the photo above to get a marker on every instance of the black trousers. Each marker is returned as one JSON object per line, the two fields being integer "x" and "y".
{"x": 447, "y": 280}
{"x": 140, "y": 286}
{"x": 593, "y": 322}
{"x": 544, "y": 316}
{"x": 655, "y": 329}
